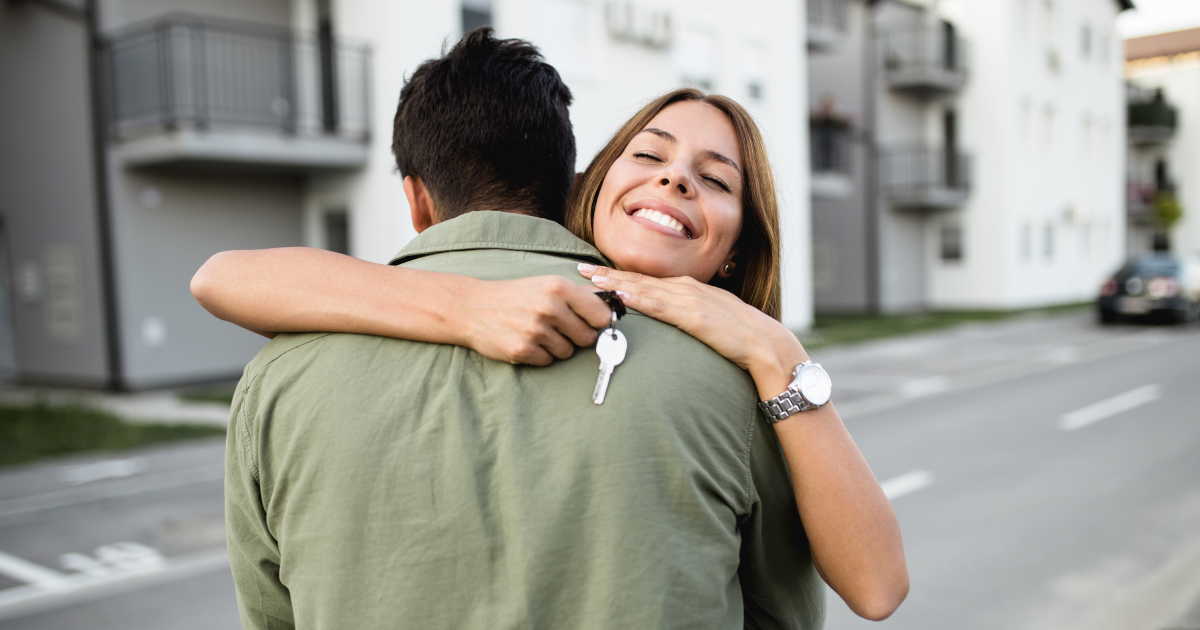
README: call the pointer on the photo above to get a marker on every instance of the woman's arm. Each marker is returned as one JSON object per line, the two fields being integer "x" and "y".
{"x": 852, "y": 530}
{"x": 297, "y": 289}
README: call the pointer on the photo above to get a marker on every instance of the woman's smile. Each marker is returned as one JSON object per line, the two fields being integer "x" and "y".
{"x": 661, "y": 217}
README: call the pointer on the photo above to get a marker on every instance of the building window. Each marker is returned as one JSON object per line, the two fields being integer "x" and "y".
{"x": 1025, "y": 241}
{"x": 1048, "y": 241}
{"x": 1049, "y": 120}
{"x": 951, "y": 242}
{"x": 476, "y": 13}
{"x": 1085, "y": 41}
{"x": 1085, "y": 136}
{"x": 337, "y": 231}
{"x": 1026, "y": 123}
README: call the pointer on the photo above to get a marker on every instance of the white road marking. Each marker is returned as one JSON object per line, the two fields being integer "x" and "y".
{"x": 149, "y": 483}
{"x": 907, "y": 483}
{"x": 107, "y": 469}
{"x": 25, "y": 571}
{"x": 1110, "y": 407}
{"x": 924, "y": 387}
{"x": 81, "y": 587}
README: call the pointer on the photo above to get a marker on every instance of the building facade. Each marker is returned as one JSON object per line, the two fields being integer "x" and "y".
{"x": 1164, "y": 139}
{"x": 139, "y": 137}
{"x": 973, "y": 155}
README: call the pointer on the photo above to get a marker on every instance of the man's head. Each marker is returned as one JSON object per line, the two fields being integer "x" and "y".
{"x": 485, "y": 127}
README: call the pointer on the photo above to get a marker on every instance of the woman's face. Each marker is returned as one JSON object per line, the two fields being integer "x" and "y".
{"x": 671, "y": 205}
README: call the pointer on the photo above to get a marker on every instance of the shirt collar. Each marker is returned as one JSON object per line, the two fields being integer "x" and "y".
{"x": 498, "y": 230}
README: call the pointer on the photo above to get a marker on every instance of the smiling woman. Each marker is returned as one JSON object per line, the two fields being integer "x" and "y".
{"x": 699, "y": 160}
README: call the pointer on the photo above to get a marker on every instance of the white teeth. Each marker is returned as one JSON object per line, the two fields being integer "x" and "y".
{"x": 661, "y": 219}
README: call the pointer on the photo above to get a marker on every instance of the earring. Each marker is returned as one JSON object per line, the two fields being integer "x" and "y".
{"x": 728, "y": 269}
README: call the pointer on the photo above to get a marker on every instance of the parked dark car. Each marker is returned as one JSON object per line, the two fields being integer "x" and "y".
{"x": 1160, "y": 286}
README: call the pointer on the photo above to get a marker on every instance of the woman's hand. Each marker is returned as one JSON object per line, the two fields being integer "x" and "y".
{"x": 737, "y": 331}
{"x": 529, "y": 320}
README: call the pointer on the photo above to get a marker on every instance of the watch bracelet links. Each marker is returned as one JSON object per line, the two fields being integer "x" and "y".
{"x": 784, "y": 405}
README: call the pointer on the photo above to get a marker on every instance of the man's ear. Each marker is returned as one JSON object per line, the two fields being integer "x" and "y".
{"x": 420, "y": 204}
{"x": 729, "y": 263}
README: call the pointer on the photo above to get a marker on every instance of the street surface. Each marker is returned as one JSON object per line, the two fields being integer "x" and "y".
{"x": 1046, "y": 473}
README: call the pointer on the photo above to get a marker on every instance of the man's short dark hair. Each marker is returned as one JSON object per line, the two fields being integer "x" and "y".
{"x": 486, "y": 127}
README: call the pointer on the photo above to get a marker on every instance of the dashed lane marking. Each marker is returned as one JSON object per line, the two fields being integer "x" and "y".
{"x": 907, "y": 483}
{"x": 1110, "y": 407}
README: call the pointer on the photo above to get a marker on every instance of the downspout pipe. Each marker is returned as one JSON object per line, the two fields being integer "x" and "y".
{"x": 871, "y": 216}
{"x": 115, "y": 379}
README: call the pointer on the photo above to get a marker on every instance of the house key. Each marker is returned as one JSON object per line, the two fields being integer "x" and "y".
{"x": 611, "y": 347}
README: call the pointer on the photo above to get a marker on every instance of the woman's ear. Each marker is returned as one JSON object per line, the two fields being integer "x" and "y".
{"x": 729, "y": 265}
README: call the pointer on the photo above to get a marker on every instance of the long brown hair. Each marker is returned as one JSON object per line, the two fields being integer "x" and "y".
{"x": 756, "y": 276}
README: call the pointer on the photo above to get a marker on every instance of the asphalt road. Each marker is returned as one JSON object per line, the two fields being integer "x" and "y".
{"x": 1010, "y": 520}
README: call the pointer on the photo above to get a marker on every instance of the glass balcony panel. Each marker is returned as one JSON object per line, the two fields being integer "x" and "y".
{"x": 925, "y": 178}
{"x": 924, "y": 60}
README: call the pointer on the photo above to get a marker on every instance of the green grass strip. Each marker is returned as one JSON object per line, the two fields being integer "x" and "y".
{"x": 33, "y": 432}
{"x": 832, "y": 329}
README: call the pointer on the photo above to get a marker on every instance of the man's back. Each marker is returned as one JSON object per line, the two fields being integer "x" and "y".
{"x": 400, "y": 484}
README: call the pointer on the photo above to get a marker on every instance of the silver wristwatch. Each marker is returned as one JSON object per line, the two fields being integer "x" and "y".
{"x": 810, "y": 388}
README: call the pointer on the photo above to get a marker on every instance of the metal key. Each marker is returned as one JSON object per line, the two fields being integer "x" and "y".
{"x": 610, "y": 346}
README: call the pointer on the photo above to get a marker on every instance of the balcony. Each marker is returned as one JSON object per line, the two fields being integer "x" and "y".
{"x": 922, "y": 178}
{"x": 830, "y": 147}
{"x": 187, "y": 93}
{"x": 827, "y": 23}
{"x": 924, "y": 61}
{"x": 1151, "y": 119}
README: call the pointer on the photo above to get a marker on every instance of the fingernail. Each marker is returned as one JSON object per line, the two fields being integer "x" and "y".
{"x": 623, "y": 295}
{"x": 586, "y": 268}
{"x": 599, "y": 280}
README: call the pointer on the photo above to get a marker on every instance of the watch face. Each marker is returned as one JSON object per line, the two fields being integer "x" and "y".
{"x": 814, "y": 384}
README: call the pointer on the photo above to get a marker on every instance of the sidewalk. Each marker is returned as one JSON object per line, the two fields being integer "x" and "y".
{"x": 157, "y": 406}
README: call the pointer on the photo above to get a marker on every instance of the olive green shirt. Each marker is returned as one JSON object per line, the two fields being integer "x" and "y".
{"x": 380, "y": 483}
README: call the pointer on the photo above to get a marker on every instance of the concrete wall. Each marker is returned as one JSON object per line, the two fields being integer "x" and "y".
{"x": 840, "y": 240}
{"x": 1045, "y": 122}
{"x": 166, "y": 226}
{"x": 47, "y": 196}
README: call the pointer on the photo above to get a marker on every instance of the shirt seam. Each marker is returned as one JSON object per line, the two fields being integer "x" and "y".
{"x": 248, "y": 436}
{"x": 749, "y": 483}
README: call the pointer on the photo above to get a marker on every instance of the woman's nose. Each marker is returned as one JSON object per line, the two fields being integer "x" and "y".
{"x": 679, "y": 184}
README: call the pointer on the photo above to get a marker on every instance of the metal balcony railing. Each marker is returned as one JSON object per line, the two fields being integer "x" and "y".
{"x": 922, "y": 177}
{"x": 1151, "y": 119}
{"x": 830, "y": 149}
{"x": 188, "y": 72}
{"x": 828, "y": 21}
{"x": 925, "y": 60}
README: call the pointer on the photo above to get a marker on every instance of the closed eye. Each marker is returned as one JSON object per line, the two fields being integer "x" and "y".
{"x": 648, "y": 156}
{"x": 718, "y": 183}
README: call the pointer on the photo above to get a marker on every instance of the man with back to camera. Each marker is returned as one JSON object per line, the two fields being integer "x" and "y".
{"x": 380, "y": 483}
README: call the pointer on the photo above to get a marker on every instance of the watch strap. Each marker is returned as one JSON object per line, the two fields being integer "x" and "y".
{"x": 784, "y": 405}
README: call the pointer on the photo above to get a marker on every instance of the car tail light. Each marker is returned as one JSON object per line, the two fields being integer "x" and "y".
{"x": 1109, "y": 288}
{"x": 1162, "y": 287}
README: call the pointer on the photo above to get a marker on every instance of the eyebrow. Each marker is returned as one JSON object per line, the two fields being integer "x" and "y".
{"x": 710, "y": 154}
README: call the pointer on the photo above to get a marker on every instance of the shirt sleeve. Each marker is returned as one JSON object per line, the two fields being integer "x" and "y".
{"x": 780, "y": 585}
{"x": 264, "y": 603}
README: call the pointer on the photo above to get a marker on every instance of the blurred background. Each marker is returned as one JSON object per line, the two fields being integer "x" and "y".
{"x": 991, "y": 223}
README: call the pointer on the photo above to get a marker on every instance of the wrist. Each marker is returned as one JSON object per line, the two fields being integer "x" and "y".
{"x": 456, "y": 310}
{"x": 772, "y": 367}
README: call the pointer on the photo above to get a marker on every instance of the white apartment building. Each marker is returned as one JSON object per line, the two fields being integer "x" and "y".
{"x": 984, "y": 155}
{"x": 141, "y": 136}
{"x": 1164, "y": 135}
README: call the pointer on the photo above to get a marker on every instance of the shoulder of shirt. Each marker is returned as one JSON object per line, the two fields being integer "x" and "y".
{"x": 278, "y": 347}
